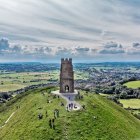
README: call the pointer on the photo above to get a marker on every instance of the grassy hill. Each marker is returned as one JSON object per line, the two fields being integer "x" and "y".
{"x": 133, "y": 84}
{"x": 101, "y": 120}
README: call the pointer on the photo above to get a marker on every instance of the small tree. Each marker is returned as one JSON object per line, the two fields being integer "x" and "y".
{"x": 123, "y": 95}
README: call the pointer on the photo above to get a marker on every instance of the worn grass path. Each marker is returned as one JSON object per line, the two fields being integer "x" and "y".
{"x": 7, "y": 120}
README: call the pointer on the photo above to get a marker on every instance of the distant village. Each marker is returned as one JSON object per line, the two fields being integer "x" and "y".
{"x": 110, "y": 81}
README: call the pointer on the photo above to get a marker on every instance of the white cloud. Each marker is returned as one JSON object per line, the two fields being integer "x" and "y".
{"x": 42, "y": 27}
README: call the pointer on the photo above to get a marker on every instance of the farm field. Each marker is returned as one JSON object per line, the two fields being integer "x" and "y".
{"x": 133, "y": 84}
{"x": 132, "y": 103}
{"x": 13, "y": 81}
{"x": 10, "y": 87}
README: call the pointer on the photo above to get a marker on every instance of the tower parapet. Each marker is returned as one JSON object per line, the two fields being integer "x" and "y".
{"x": 66, "y": 60}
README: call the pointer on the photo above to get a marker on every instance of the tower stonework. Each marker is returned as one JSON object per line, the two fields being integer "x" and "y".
{"x": 66, "y": 76}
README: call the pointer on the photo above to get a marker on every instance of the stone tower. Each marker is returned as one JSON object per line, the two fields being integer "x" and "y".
{"x": 66, "y": 76}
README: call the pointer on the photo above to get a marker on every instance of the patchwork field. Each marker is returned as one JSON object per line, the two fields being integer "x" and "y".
{"x": 133, "y": 84}
{"x": 14, "y": 81}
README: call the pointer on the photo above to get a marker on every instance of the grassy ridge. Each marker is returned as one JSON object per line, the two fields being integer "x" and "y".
{"x": 102, "y": 119}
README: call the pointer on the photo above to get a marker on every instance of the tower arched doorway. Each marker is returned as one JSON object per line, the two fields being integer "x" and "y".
{"x": 67, "y": 88}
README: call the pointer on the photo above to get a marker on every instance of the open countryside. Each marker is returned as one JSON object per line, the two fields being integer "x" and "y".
{"x": 69, "y": 69}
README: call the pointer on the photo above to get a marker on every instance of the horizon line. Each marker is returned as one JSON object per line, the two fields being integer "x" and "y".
{"x": 53, "y": 62}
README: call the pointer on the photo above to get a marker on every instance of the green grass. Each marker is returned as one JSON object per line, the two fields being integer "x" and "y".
{"x": 133, "y": 103}
{"x": 112, "y": 122}
{"x": 133, "y": 84}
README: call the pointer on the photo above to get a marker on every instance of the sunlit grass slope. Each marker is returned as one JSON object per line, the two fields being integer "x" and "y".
{"x": 133, "y": 84}
{"x": 132, "y": 103}
{"x": 101, "y": 120}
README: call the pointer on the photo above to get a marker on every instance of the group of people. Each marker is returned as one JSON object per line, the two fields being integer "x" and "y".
{"x": 18, "y": 106}
{"x": 71, "y": 106}
{"x": 51, "y": 121}
{"x": 56, "y": 96}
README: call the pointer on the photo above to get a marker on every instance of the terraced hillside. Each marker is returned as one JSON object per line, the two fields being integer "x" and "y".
{"x": 100, "y": 120}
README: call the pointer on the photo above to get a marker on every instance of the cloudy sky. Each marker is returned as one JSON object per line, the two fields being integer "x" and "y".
{"x": 86, "y": 30}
